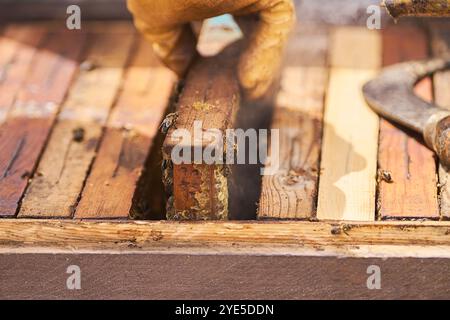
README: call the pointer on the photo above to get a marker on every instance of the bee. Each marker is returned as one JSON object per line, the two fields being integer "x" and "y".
{"x": 166, "y": 164}
{"x": 163, "y": 165}
{"x": 168, "y": 122}
{"x": 384, "y": 175}
{"x": 87, "y": 66}
{"x": 78, "y": 134}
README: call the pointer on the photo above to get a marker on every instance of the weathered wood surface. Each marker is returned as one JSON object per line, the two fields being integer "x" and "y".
{"x": 413, "y": 191}
{"x": 65, "y": 163}
{"x": 230, "y": 277}
{"x": 207, "y": 106}
{"x": 441, "y": 80}
{"x": 17, "y": 47}
{"x": 116, "y": 198}
{"x": 201, "y": 253}
{"x": 347, "y": 185}
{"x": 216, "y": 235}
{"x": 291, "y": 191}
{"x": 24, "y": 134}
{"x": 130, "y": 138}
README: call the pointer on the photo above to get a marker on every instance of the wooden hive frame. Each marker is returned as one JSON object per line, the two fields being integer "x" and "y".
{"x": 221, "y": 247}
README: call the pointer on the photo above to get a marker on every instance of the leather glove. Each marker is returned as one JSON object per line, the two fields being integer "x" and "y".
{"x": 167, "y": 24}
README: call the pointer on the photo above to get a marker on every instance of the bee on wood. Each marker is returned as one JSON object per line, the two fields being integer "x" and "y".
{"x": 384, "y": 175}
{"x": 168, "y": 122}
{"x": 78, "y": 134}
{"x": 87, "y": 66}
{"x": 166, "y": 164}
{"x": 163, "y": 165}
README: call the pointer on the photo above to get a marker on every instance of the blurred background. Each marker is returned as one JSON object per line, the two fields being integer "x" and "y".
{"x": 309, "y": 11}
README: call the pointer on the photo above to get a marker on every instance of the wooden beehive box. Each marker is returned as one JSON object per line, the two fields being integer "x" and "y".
{"x": 80, "y": 165}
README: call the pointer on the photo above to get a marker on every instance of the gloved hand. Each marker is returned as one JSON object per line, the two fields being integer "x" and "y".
{"x": 166, "y": 23}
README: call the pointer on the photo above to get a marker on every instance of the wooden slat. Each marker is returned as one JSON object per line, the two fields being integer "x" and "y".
{"x": 317, "y": 275}
{"x": 413, "y": 192}
{"x": 128, "y": 140}
{"x": 193, "y": 237}
{"x": 211, "y": 95}
{"x": 441, "y": 48}
{"x": 65, "y": 163}
{"x": 23, "y": 135}
{"x": 17, "y": 48}
{"x": 291, "y": 191}
{"x": 349, "y": 148}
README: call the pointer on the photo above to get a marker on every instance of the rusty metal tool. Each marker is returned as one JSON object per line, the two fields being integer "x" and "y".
{"x": 391, "y": 95}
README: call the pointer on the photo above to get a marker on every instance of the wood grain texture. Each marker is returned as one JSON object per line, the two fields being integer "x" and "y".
{"x": 209, "y": 100}
{"x": 441, "y": 80}
{"x": 55, "y": 188}
{"x": 348, "y": 166}
{"x": 270, "y": 237}
{"x": 413, "y": 192}
{"x": 129, "y": 276}
{"x": 17, "y": 47}
{"x": 291, "y": 191}
{"x": 25, "y": 132}
{"x": 128, "y": 141}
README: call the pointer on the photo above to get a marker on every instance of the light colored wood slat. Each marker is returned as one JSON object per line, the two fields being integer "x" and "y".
{"x": 291, "y": 191}
{"x": 128, "y": 140}
{"x": 413, "y": 192}
{"x": 17, "y": 48}
{"x": 347, "y": 183}
{"x": 354, "y": 48}
{"x": 274, "y": 238}
{"x": 65, "y": 163}
{"x": 23, "y": 135}
{"x": 441, "y": 48}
